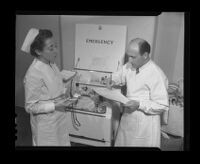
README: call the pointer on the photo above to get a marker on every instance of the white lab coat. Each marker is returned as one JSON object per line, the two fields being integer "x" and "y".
{"x": 141, "y": 128}
{"x": 49, "y": 127}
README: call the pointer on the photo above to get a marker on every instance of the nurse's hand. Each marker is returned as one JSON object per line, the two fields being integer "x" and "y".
{"x": 63, "y": 104}
{"x": 68, "y": 79}
{"x": 132, "y": 105}
{"x": 60, "y": 106}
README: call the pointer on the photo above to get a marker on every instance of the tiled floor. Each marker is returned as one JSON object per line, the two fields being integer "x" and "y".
{"x": 24, "y": 134}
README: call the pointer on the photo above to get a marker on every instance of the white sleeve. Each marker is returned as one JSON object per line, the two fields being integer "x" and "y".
{"x": 158, "y": 102}
{"x": 48, "y": 106}
{"x": 35, "y": 97}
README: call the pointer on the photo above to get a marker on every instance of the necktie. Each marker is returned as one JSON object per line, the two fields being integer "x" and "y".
{"x": 137, "y": 70}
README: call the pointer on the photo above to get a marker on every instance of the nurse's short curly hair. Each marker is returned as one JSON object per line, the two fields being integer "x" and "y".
{"x": 39, "y": 41}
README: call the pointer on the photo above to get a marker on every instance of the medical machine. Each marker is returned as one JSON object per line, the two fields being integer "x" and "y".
{"x": 99, "y": 51}
{"x": 93, "y": 120}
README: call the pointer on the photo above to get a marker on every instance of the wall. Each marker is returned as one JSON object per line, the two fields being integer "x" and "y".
{"x": 178, "y": 69}
{"x": 138, "y": 26}
{"x": 23, "y": 60}
{"x": 169, "y": 44}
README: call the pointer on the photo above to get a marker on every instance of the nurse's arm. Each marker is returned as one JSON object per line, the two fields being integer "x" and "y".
{"x": 34, "y": 97}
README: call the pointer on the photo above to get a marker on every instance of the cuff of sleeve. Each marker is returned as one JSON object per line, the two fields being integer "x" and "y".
{"x": 142, "y": 105}
{"x": 49, "y": 107}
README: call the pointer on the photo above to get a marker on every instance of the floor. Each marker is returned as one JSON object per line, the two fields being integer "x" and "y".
{"x": 24, "y": 134}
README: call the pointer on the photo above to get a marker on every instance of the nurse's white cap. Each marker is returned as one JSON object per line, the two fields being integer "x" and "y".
{"x": 32, "y": 33}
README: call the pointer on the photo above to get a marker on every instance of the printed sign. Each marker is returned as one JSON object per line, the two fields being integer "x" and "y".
{"x": 99, "y": 47}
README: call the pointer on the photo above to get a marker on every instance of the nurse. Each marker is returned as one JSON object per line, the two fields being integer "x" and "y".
{"x": 147, "y": 91}
{"x": 45, "y": 91}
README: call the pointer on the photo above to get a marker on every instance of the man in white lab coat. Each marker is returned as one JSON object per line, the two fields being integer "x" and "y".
{"x": 147, "y": 91}
{"x": 44, "y": 91}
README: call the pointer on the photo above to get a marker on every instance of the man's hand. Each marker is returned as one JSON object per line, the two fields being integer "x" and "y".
{"x": 131, "y": 106}
{"x": 128, "y": 65}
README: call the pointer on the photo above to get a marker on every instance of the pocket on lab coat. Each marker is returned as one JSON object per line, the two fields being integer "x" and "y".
{"x": 144, "y": 125}
{"x": 129, "y": 123}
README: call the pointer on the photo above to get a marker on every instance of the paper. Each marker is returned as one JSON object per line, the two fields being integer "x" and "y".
{"x": 67, "y": 74}
{"x": 111, "y": 94}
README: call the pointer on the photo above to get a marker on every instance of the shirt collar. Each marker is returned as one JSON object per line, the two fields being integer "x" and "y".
{"x": 143, "y": 67}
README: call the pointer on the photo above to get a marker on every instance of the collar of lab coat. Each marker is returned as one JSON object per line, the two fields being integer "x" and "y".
{"x": 145, "y": 65}
{"x": 40, "y": 64}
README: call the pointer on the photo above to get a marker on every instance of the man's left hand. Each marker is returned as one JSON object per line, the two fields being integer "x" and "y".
{"x": 132, "y": 105}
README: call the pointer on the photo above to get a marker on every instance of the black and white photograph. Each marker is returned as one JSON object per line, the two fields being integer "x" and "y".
{"x": 100, "y": 81}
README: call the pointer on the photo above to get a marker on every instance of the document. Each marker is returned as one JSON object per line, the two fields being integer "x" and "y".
{"x": 112, "y": 94}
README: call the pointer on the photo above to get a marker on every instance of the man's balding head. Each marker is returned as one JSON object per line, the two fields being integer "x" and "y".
{"x": 138, "y": 52}
{"x": 141, "y": 45}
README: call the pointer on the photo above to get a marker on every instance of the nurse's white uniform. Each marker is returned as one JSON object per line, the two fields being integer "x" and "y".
{"x": 141, "y": 128}
{"x": 44, "y": 82}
